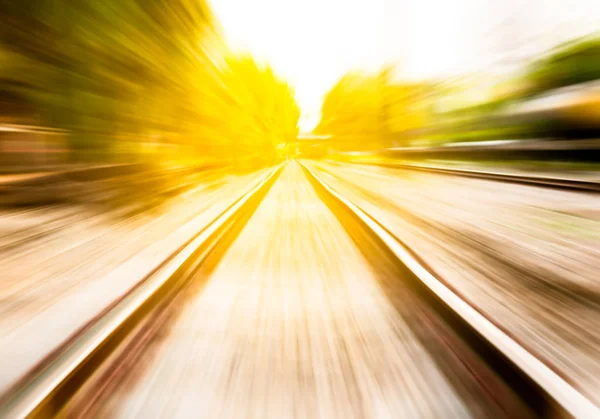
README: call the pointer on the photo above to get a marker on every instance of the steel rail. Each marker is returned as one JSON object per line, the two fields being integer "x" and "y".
{"x": 535, "y": 180}
{"x": 547, "y": 393}
{"x": 36, "y": 396}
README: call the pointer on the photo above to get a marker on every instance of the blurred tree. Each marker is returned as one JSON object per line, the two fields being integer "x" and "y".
{"x": 266, "y": 114}
{"x": 154, "y": 70}
{"x": 352, "y": 109}
{"x": 572, "y": 63}
{"x": 96, "y": 68}
{"x": 366, "y": 111}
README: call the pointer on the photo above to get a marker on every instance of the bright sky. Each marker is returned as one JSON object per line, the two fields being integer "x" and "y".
{"x": 312, "y": 43}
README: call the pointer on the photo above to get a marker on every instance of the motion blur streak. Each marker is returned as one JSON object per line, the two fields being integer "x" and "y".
{"x": 61, "y": 273}
{"x": 120, "y": 79}
{"x": 128, "y": 126}
{"x": 526, "y": 256}
{"x": 271, "y": 335}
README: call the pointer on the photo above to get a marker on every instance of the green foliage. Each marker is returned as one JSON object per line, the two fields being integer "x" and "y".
{"x": 572, "y": 63}
{"x": 146, "y": 69}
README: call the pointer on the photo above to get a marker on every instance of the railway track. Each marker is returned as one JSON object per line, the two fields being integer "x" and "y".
{"x": 535, "y": 180}
{"x": 293, "y": 303}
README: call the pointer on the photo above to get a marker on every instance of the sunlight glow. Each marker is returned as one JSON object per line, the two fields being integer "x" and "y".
{"x": 312, "y": 43}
